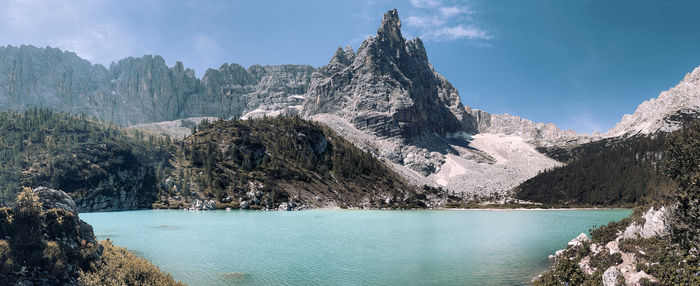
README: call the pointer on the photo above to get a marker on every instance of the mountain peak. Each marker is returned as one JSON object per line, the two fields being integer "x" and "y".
{"x": 390, "y": 29}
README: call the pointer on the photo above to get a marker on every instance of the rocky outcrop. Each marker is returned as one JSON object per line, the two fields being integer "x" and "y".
{"x": 388, "y": 88}
{"x": 178, "y": 129}
{"x": 623, "y": 262}
{"x": 43, "y": 241}
{"x": 654, "y": 224}
{"x": 579, "y": 240}
{"x": 145, "y": 89}
{"x": 54, "y": 199}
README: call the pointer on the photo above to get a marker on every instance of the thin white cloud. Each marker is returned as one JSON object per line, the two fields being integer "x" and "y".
{"x": 81, "y": 26}
{"x": 445, "y": 21}
{"x": 449, "y": 12}
{"x": 425, "y": 3}
{"x": 424, "y": 21}
{"x": 584, "y": 121}
{"x": 457, "y": 32}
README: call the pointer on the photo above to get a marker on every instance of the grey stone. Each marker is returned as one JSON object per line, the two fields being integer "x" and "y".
{"x": 579, "y": 240}
{"x": 611, "y": 276}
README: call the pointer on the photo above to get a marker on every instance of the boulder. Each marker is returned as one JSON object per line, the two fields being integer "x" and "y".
{"x": 635, "y": 277}
{"x": 579, "y": 240}
{"x": 585, "y": 265}
{"x": 284, "y": 207}
{"x": 613, "y": 247}
{"x": 654, "y": 224}
{"x": 209, "y": 205}
{"x": 54, "y": 199}
{"x": 611, "y": 276}
{"x": 596, "y": 248}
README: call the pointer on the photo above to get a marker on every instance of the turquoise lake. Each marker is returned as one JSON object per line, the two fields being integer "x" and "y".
{"x": 349, "y": 247}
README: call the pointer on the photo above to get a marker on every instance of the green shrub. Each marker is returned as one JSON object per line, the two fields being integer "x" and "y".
{"x": 119, "y": 267}
{"x": 565, "y": 271}
{"x": 6, "y": 262}
{"x": 609, "y": 232}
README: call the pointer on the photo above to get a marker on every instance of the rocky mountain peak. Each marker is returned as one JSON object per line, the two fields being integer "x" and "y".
{"x": 340, "y": 57}
{"x": 390, "y": 89}
{"x": 349, "y": 52}
{"x": 665, "y": 113}
{"x": 390, "y": 30}
{"x": 693, "y": 76}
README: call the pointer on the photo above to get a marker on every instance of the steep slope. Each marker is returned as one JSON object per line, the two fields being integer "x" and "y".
{"x": 665, "y": 113}
{"x": 612, "y": 171}
{"x": 145, "y": 89}
{"x": 103, "y": 167}
{"x": 285, "y": 162}
{"x": 388, "y": 99}
{"x": 623, "y": 165}
{"x": 388, "y": 88}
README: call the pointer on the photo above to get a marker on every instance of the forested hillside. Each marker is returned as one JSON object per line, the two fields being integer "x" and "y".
{"x": 286, "y": 160}
{"x": 101, "y": 166}
{"x": 606, "y": 172}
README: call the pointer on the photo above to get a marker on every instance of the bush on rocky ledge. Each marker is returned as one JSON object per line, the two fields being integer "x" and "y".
{"x": 119, "y": 267}
{"x": 44, "y": 242}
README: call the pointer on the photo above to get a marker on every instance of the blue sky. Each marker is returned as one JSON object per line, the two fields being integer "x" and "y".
{"x": 578, "y": 64}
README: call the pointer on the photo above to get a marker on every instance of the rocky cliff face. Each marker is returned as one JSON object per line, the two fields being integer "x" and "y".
{"x": 388, "y": 88}
{"x": 31, "y": 77}
{"x": 665, "y": 113}
{"x": 539, "y": 134}
{"x": 145, "y": 89}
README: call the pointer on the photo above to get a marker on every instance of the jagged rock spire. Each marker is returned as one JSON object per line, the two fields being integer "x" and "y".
{"x": 391, "y": 26}
{"x": 389, "y": 88}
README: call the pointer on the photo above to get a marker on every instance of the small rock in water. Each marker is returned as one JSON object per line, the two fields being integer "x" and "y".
{"x": 233, "y": 275}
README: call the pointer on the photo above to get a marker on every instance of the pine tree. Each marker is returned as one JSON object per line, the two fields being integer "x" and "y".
{"x": 683, "y": 166}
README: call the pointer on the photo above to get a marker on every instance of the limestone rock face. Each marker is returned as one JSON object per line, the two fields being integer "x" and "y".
{"x": 655, "y": 224}
{"x": 145, "y": 89}
{"x": 48, "y": 77}
{"x": 258, "y": 90}
{"x": 388, "y": 88}
{"x": 665, "y": 113}
{"x": 539, "y": 134}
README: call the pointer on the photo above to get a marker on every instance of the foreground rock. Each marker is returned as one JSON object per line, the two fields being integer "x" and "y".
{"x": 654, "y": 224}
{"x": 619, "y": 260}
{"x": 44, "y": 242}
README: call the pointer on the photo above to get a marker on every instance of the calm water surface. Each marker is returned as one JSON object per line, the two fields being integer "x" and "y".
{"x": 348, "y": 247}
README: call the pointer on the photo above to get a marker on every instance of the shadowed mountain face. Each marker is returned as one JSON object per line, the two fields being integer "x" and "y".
{"x": 141, "y": 90}
{"x": 388, "y": 88}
